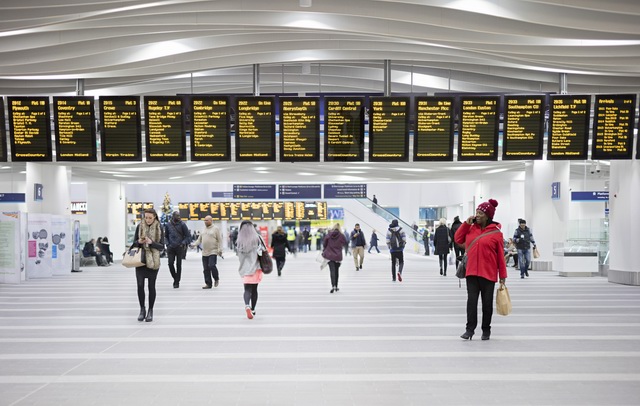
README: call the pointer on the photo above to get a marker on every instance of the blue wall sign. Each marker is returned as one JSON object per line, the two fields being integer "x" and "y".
{"x": 589, "y": 196}
{"x": 555, "y": 191}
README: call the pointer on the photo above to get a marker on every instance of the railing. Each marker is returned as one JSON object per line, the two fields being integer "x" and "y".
{"x": 387, "y": 215}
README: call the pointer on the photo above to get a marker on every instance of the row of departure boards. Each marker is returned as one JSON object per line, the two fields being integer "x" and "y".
{"x": 208, "y": 122}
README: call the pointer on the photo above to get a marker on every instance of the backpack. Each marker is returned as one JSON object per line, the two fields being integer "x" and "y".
{"x": 396, "y": 240}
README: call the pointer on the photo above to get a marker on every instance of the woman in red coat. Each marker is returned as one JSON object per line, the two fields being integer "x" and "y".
{"x": 485, "y": 264}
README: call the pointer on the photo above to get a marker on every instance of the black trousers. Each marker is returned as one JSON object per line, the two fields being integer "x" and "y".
{"x": 143, "y": 273}
{"x": 479, "y": 287}
{"x": 334, "y": 272}
{"x": 251, "y": 295}
{"x": 280, "y": 264}
{"x": 399, "y": 258}
{"x": 210, "y": 269}
{"x": 174, "y": 256}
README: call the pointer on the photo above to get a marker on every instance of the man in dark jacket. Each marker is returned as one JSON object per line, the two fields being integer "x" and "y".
{"x": 523, "y": 237}
{"x": 459, "y": 250}
{"x": 89, "y": 250}
{"x": 358, "y": 242}
{"x": 396, "y": 241}
{"x": 177, "y": 236}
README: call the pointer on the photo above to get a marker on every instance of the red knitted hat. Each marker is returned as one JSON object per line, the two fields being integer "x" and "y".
{"x": 488, "y": 208}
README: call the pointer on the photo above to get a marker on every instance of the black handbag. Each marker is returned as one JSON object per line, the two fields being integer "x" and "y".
{"x": 266, "y": 263}
{"x": 461, "y": 271}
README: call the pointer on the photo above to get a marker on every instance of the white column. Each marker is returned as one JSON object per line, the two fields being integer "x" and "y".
{"x": 55, "y": 180}
{"x": 106, "y": 214}
{"x": 547, "y": 218}
{"x": 624, "y": 240}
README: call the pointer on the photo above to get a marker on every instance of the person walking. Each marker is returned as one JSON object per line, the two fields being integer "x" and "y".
{"x": 375, "y": 204}
{"x": 425, "y": 240}
{"x": 249, "y": 245}
{"x": 178, "y": 236}
{"x": 211, "y": 241}
{"x": 485, "y": 264}
{"x": 396, "y": 241}
{"x": 523, "y": 238}
{"x": 279, "y": 244}
{"x": 457, "y": 249}
{"x": 373, "y": 243}
{"x": 358, "y": 243}
{"x": 291, "y": 240}
{"x": 150, "y": 238}
{"x": 333, "y": 243}
{"x": 442, "y": 245}
{"x": 347, "y": 244}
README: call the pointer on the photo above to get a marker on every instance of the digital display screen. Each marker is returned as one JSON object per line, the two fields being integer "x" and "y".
{"x": 255, "y": 129}
{"x": 344, "y": 129}
{"x": 299, "y": 129}
{"x": 75, "y": 131}
{"x": 613, "y": 126}
{"x": 3, "y": 134}
{"x": 253, "y": 210}
{"x": 478, "y": 135}
{"x": 523, "y": 134}
{"x": 389, "y": 129}
{"x": 433, "y": 135}
{"x": 121, "y": 138}
{"x": 568, "y": 127}
{"x": 210, "y": 128}
{"x": 30, "y": 126}
{"x": 164, "y": 128}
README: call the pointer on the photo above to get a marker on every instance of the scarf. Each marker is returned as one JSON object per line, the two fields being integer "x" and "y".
{"x": 152, "y": 255}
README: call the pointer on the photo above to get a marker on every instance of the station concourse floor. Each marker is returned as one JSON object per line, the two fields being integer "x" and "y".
{"x": 75, "y": 340}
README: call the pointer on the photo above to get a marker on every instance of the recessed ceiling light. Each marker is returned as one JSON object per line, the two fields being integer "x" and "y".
{"x": 306, "y": 174}
{"x": 176, "y": 177}
{"x": 263, "y": 172}
{"x": 124, "y": 176}
{"x": 145, "y": 169}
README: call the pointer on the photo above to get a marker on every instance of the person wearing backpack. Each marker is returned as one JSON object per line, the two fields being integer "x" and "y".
{"x": 396, "y": 240}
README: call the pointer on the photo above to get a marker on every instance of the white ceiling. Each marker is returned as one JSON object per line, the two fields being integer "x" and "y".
{"x": 146, "y": 47}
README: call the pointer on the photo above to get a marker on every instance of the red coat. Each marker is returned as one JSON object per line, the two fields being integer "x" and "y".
{"x": 486, "y": 258}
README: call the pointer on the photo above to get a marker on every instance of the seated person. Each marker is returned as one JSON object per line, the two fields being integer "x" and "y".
{"x": 105, "y": 249}
{"x": 510, "y": 251}
{"x": 90, "y": 251}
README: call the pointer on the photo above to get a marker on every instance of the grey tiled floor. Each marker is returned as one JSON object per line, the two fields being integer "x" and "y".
{"x": 75, "y": 340}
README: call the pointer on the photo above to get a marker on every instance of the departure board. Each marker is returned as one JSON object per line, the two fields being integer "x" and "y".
{"x": 236, "y": 211}
{"x": 255, "y": 129}
{"x": 3, "y": 134}
{"x": 478, "y": 134}
{"x": 389, "y": 129}
{"x": 523, "y": 133}
{"x": 121, "y": 138}
{"x": 433, "y": 135}
{"x": 613, "y": 120}
{"x": 210, "y": 124}
{"x": 343, "y": 129}
{"x": 75, "y": 132}
{"x": 299, "y": 129}
{"x": 30, "y": 127}
{"x": 164, "y": 128}
{"x": 568, "y": 127}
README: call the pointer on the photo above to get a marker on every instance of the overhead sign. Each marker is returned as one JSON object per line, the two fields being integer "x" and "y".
{"x": 345, "y": 191}
{"x": 78, "y": 207}
{"x": 13, "y": 198}
{"x": 299, "y": 191}
{"x": 254, "y": 191}
{"x": 589, "y": 196}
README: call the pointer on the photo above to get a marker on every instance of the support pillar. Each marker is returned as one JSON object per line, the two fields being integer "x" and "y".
{"x": 387, "y": 77}
{"x": 256, "y": 79}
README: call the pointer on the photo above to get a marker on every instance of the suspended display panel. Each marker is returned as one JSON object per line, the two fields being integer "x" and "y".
{"x": 523, "y": 134}
{"x": 164, "y": 129}
{"x": 433, "y": 135}
{"x": 344, "y": 129}
{"x": 613, "y": 119}
{"x": 568, "y": 127}
{"x": 30, "y": 128}
{"x": 210, "y": 128}
{"x": 299, "y": 129}
{"x": 120, "y": 138}
{"x": 478, "y": 133}
{"x": 389, "y": 129}
{"x": 75, "y": 130}
{"x": 255, "y": 129}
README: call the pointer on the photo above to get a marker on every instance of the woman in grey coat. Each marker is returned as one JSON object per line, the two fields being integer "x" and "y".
{"x": 249, "y": 245}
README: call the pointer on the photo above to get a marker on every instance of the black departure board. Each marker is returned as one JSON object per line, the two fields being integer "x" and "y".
{"x": 478, "y": 134}
{"x": 523, "y": 133}
{"x": 568, "y": 127}
{"x": 344, "y": 129}
{"x": 75, "y": 132}
{"x": 236, "y": 211}
{"x": 3, "y": 134}
{"x": 433, "y": 134}
{"x": 299, "y": 129}
{"x": 121, "y": 138}
{"x": 613, "y": 120}
{"x": 255, "y": 129}
{"x": 389, "y": 129}
{"x": 30, "y": 127}
{"x": 210, "y": 124}
{"x": 164, "y": 128}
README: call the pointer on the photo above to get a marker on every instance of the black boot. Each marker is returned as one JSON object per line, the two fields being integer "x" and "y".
{"x": 149, "y": 315}
{"x": 143, "y": 312}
